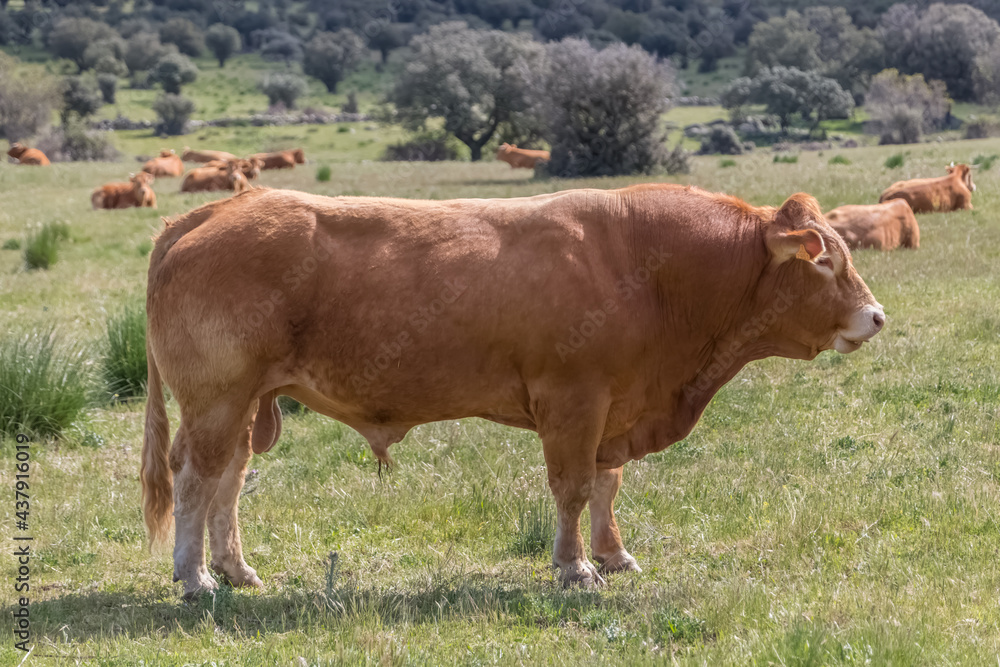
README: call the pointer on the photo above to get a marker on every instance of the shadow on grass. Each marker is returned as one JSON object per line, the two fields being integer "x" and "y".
{"x": 131, "y": 613}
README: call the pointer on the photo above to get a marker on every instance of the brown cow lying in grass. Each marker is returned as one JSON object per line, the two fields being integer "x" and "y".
{"x": 928, "y": 195}
{"x": 653, "y": 297}
{"x": 205, "y": 156}
{"x": 879, "y": 226}
{"x": 208, "y": 179}
{"x": 281, "y": 159}
{"x": 250, "y": 166}
{"x": 137, "y": 192}
{"x": 521, "y": 157}
{"x": 25, "y": 155}
{"x": 167, "y": 164}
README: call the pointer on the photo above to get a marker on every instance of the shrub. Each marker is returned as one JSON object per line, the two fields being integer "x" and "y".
{"x": 223, "y": 41}
{"x": 70, "y": 37}
{"x": 895, "y": 161}
{"x": 904, "y": 107}
{"x": 351, "y": 105}
{"x": 721, "y": 140}
{"x": 985, "y": 162}
{"x": 41, "y": 248}
{"x": 142, "y": 51}
{"x": 589, "y": 134}
{"x": 75, "y": 142}
{"x": 786, "y": 159}
{"x": 283, "y": 88}
{"x": 107, "y": 56}
{"x": 108, "y": 85}
{"x": 185, "y": 35}
{"x": 173, "y": 71}
{"x": 26, "y": 100}
{"x": 839, "y": 159}
{"x": 323, "y": 174}
{"x": 329, "y": 56}
{"x": 174, "y": 111}
{"x": 123, "y": 363}
{"x": 678, "y": 161}
{"x": 43, "y": 384}
{"x": 426, "y": 147}
{"x": 982, "y": 128}
{"x": 724, "y": 164}
{"x": 11, "y": 244}
{"x": 81, "y": 97}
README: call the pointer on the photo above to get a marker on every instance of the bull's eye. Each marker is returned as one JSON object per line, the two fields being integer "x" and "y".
{"x": 825, "y": 261}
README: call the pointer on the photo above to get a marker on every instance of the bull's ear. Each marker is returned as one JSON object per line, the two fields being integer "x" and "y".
{"x": 804, "y": 244}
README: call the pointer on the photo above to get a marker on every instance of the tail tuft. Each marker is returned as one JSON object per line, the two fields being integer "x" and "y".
{"x": 157, "y": 478}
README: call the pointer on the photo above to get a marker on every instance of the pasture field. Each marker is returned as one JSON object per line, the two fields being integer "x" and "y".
{"x": 840, "y": 511}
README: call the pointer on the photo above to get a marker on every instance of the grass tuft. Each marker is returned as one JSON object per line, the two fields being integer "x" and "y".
{"x": 43, "y": 384}
{"x": 984, "y": 162}
{"x": 323, "y": 174}
{"x": 12, "y": 244}
{"x": 535, "y": 529}
{"x": 123, "y": 364}
{"x": 42, "y": 247}
{"x": 839, "y": 159}
{"x": 895, "y": 161}
{"x": 786, "y": 159}
{"x": 144, "y": 248}
{"x": 726, "y": 163}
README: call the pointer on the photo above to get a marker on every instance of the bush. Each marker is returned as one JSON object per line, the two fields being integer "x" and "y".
{"x": 602, "y": 109}
{"x": 41, "y": 248}
{"x": 107, "y": 56}
{"x": 786, "y": 159}
{"x": 724, "y": 164}
{"x": 283, "y": 88}
{"x": 123, "y": 364}
{"x": 839, "y": 159}
{"x": 985, "y": 162}
{"x": 173, "y": 71}
{"x": 323, "y": 174}
{"x": 43, "y": 385}
{"x": 108, "y": 85}
{"x": 174, "y": 111}
{"x": 26, "y": 101}
{"x": 223, "y": 41}
{"x": 904, "y": 107}
{"x": 982, "y": 128}
{"x": 143, "y": 50}
{"x": 895, "y": 161}
{"x": 329, "y": 56}
{"x": 75, "y": 142}
{"x": 351, "y": 105}
{"x": 81, "y": 97}
{"x": 678, "y": 161}
{"x": 422, "y": 148}
{"x": 185, "y": 35}
{"x": 11, "y": 244}
{"x": 721, "y": 140}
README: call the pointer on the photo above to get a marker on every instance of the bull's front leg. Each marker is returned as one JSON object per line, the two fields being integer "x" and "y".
{"x": 605, "y": 540}
{"x": 571, "y": 430}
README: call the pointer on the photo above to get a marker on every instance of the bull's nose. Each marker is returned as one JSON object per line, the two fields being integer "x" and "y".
{"x": 878, "y": 317}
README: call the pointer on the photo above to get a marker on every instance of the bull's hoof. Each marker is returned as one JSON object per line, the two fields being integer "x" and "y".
{"x": 200, "y": 584}
{"x": 620, "y": 562}
{"x": 240, "y": 576}
{"x": 580, "y": 573}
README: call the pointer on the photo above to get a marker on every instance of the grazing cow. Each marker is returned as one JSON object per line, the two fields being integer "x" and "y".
{"x": 603, "y": 320}
{"x": 137, "y": 192}
{"x": 879, "y": 226}
{"x": 167, "y": 164}
{"x": 928, "y": 195}
{"x": 281, "y": 159}
{"x": 205, "y": 156}
{"x": 521, "y": 157}
{"x": 25, "y": 155}
{"x": 211, "y": 178}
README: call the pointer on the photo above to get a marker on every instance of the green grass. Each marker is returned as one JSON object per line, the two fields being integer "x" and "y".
{"x": 985, "y": 162}
{"x": 43, "y": 383}
{"x": 323, "y": 174}
{"x": 786, "y": 159}
{"x": 41, "y": 248}
{"x": 840, "y": 511}
{"x": 895, "y": 161}
{"x": 725, "y": 163}
{"x": 839, "y": 159}
{"x": 123, "y": 365}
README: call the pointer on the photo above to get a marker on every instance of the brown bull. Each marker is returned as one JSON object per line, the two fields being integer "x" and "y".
{"x": 167, "y": 164}
{"x": 230, "y": 176}
{"x": 521, "y": 157}
{"x": 25, "y": 155}
{"x": 928, "y": 195}
{"x": 250, "y": 166}
{"x": 137, "y": 192}
{"x": 603, "y": 320}
{"x": 281, "y": 159}
{"x": 879, "y": 226}
{"x": 205, "y": 156}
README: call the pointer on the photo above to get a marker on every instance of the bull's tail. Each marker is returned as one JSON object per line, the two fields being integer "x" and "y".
{"x": 157, "y": 478}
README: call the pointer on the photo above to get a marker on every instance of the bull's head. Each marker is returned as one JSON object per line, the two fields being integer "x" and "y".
{"x": 819, "y": 300}
{"x": 964, "y": 174}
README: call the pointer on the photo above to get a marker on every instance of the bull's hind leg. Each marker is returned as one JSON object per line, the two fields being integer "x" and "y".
{"x": 605, "y": 540}
{"x": 223, "y": 526}
{"x": 571, "y": 430}
{"x": 202, "y": 450}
